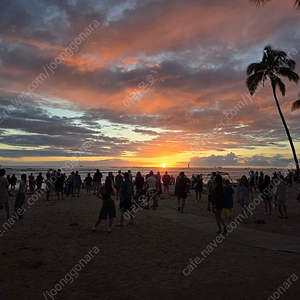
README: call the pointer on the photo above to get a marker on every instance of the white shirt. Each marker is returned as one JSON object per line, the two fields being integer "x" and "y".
{"x": 151, "y": 182}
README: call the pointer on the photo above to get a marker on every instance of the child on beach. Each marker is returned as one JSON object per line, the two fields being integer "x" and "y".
{"x": 108, "y": 207}
{"x": 20, "y": 199}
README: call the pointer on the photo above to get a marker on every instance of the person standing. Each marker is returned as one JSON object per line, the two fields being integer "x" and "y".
{"x": 49, "y": 185}
{"x": 267, "y": 196}
{"x": 166, "y": 182}
{"x": 108, "y": 207}
{"x": 158, "y": 178}
{"x": 152, "y": 190}
{"x": 281, "y": 191}
{"x": 70, "y": 184}
{"x": 217, "y": 201}
{"x": 198, "y": 187}
{"x": 97, "y": 180}
{"x": 77, "y": 184}
{"x": 59, "y": 184}
{"x": 228, "y": 198}
{"x": 31, "y": 183}
{"x": 243, "y": 193}
{"x": 210, "y": 187}
{"x": 39, "y": 180}
{"x": 20, "y": 199}
{"x": 139, "y": 183}
{"x": 126, "y": 193}
{"x": 118, "y": 180}
{"x": 88, "y": 183}
{"x": 13, "y": 182}
{"x": 4, "y": 195}
{"x": 130, "y": 175}
{"x": 181, "y": 190}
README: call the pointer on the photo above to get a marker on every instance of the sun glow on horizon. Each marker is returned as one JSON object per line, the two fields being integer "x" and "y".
{"x": 163, "y": 165}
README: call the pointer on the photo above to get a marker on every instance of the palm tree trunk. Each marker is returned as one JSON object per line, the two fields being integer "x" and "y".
{"x": 286, "y": 129}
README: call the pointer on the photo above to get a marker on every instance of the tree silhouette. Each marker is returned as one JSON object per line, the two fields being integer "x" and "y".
{"x": 274, "y": 62}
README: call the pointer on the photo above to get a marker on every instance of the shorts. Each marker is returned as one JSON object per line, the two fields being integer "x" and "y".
{"x": 181, "y": 194}
{"x": 108, "y": 208}
{"x": 125, "y": 204}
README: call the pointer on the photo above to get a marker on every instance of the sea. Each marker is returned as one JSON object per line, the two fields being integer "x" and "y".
{"x": 231, "y": 173}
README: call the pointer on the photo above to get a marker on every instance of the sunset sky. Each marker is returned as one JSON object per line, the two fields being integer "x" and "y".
{"x": 143, "y": 82}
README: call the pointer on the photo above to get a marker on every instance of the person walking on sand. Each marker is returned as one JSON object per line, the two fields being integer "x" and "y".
{"x": 218, "y": 203}
{"x": 4, "y": 195}
{"x": 181, "y": 190}
{"x": 281, "y": 191}
{"x": 105, "y": 193}
{"x": 243, "y": 193}
{"x": 20, "y": 199}
{"x": 126, "y": 193}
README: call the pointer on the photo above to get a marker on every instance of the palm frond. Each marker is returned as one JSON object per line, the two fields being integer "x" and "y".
{"x": 291, "y": 63}
{"x": 287, "y": 72}
{"x": 255, "y": 67}
{"x": 259, "y": 3}
{"x": 253, "y": 81}
{"x": 278, "y": 82}
{"x": 295, "y": 105}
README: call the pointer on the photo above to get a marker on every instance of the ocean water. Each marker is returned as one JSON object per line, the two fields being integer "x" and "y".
{"x": 234, "y": 173}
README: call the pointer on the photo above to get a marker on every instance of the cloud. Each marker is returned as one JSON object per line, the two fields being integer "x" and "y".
{"x": 194, "y": 52}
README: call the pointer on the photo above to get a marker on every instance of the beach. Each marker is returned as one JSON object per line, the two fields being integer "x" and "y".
{"x": 53, "y": 254}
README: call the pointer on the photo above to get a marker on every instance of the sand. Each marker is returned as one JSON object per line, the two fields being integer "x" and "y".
{"x": 147, "y": 260}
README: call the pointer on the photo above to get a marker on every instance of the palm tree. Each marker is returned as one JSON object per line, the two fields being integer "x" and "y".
{"x": 264, "y": 2}
{"x": 274, "y": 62}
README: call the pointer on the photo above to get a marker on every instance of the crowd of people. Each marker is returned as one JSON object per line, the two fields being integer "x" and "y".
{"x": 129, "y": 190}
